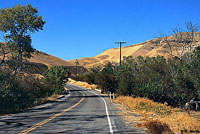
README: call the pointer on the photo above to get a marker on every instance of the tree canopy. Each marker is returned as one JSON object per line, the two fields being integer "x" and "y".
{"x": 17, "y": 24}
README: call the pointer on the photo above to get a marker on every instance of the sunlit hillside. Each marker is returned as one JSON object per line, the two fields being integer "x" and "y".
{"x": 149, "y": 48}
{"x": 49, "y": 60}
{"x": 43, "y": 60}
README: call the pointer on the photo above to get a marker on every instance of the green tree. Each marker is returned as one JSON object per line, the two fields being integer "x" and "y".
{"x": 17, "y": 24}
{"x": 20, "y": 91}
{"x": 54, "y": 78}
{"x": 106, "y": 78}
{"x": 125, "y": 76}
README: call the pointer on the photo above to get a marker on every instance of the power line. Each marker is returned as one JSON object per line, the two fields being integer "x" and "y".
{"x": 77, "y": 63}
{"x": 131, "y": 25}
{"x": 140, "y": 20}
{"x": 125, "y": 15}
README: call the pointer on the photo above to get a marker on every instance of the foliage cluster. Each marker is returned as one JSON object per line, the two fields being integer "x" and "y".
{"x": 19, "y": 88}
{"x": 19, "y": 92}
{"x": 54, "y": 77}
{"x": 22, "y": 90}
{"x": 174, "y": 81}
{"x": 16, "y": 25}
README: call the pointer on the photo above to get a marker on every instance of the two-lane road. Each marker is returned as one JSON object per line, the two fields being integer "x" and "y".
{"x": 83, "y": 111}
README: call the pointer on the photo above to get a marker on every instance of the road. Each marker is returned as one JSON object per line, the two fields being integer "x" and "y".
{"x": 80, "y": 112}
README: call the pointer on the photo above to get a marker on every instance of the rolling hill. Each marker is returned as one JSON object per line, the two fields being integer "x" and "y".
{"x": 49, "y": 60}
{"x": 149, "y": 48}
{"x": 41, "y": 61}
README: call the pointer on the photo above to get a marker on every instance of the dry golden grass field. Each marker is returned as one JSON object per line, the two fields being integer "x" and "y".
{"x": 156, "y": 117}
{"x": 49, "y": 60}
{"x": 81, "y": 84}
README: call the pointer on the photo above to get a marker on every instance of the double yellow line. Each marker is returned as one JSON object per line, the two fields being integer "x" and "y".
{"x": 50, "y": 118}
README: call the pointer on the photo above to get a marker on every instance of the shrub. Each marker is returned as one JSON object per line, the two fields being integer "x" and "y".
{"x": 106, "y": 78}
{"x": 19, "y": 92}
{"x": 173, "y": 81}
{"x": 54, "y": 77}
{"x": 157, "y": 127}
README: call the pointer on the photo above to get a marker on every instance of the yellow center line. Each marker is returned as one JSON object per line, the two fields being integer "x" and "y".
{"x": 50, "y": 118}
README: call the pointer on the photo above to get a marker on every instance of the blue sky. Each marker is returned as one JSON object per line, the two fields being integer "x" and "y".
{"x": 84, "y": 28}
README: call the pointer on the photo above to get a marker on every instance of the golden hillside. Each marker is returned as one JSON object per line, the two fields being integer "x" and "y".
{"x": 49, "y": 60}
{"x": 40, "y": 57}
{"x": 149, "y": 48}
{"x": 42, "y": 60}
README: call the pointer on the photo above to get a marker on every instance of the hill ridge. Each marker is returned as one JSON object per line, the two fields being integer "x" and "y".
{"x": 151, "y": 48}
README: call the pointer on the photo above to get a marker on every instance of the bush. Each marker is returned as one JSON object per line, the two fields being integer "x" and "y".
{"x": 157, "y": 127}
{"x": 106, "y": 79}
{"x": 19, "y": 92}
{"x": 174, "y": 81}
{"x": 54, "y": 77}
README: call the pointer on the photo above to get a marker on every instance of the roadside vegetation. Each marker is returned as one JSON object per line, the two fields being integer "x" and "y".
{"x": 156, "y": 87}
{"x": 20, "y": 88}
{"x": 175, "y": 82}
{"x": 159, "y": 118}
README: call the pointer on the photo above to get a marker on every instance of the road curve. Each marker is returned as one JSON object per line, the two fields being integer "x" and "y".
{"x": 82, "y": 112}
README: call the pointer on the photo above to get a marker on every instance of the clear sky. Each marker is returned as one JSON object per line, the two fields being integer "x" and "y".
{"x": 84, "y": 28}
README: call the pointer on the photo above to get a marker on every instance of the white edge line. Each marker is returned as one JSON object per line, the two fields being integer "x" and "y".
{"x": 68, "y": 94}
{"x": 108, "y": 117}
{"x": 97, "y": 90}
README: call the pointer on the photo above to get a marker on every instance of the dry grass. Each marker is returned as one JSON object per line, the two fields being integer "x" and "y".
{"x": 49, "y": 60}
{"x": 81, "y": 84}
{"x": 45, "y": 100}
{"x": 50, "y": 98}
{"x": 38, "y": 76}
{"x": 43, "y": 58}
{"x": 111, "y": 55}
{"x": 157, "y": 117}
{"x": 146, "y": 48}
{"x": 53, "y": 97}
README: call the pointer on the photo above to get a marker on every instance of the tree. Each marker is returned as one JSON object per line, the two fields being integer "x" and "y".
{"x": 125, "y": 76}
{"x": 106, "y": 78}
{"x": 182, "y": 40}
{"x": 2, "y": 53}
{"x": 54, "y": 78}
{"x": 17, "y": 24}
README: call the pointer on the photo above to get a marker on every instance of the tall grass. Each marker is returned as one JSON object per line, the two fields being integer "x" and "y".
{"x": 157, "y": 116}
{"x": 82, "y": 84}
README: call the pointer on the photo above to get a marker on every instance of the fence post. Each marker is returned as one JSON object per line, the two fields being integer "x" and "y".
{"x": 188, "y": 104}
{"x": 196, "y": 106}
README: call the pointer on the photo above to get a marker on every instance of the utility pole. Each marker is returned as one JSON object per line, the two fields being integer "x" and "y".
{"x": 77, "y": 63}
{"x": 120, "y": 50}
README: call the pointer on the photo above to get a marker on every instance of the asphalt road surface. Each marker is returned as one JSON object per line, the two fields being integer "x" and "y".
{"x": 82, "y": 111}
